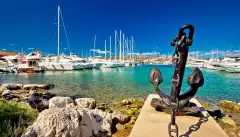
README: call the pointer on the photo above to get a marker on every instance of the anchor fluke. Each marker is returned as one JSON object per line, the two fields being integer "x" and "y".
{"x": 155, "y": 76}
{"x": 195, "y": 78}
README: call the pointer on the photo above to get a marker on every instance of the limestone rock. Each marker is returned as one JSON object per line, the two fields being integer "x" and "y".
{"x": 30, "y": 86}
{"x": 74, "y": 122}
{"x": 121, "y": 118}
{"x": 126, "y": 102}
{"x": 232, "y": 134}
{"x": 133, "y": 120}
{"x": 39, "y": 86}
{"x": 230, "y": 105}
{"x": 228, "y": 121}
{"x": 86, "y": 102}
{"x": 6, "y": 92}
{"x": 10, "y": 87}
{"x": 135, "y": 105}
{"x": 120, "y": 127}
{"x": 102, "y": 106}
{"x": 30, "y": 133}
{"x": 60, "y": 102}
{"x": 130, "y": 112}
{"x": 31, "y": 92}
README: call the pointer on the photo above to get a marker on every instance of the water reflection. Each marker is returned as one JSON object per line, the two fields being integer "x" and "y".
{"x": 110, "y": 83}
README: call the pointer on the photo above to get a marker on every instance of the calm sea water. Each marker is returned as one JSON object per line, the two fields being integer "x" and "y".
{"x": 107, "y": 85}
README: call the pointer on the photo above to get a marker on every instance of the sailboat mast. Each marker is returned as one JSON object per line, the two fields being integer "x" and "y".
{"x": 123, "y": 45}
{"x": 127, "y": 48}
{"x": 58, "y": 29}
{"x": 115, "y": 45}
{"x": 110, "y": 52}
{"x": 120, "y": 46}
{"x": 94, "y": 45}
{"x": 132, "y": 47}
{"x": 105, "y": 50}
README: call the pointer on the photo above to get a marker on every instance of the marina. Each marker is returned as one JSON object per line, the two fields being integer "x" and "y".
{"x": 108, "y": 69}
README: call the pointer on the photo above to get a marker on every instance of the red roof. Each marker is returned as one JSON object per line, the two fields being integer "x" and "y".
{"x": 5, "y": 53}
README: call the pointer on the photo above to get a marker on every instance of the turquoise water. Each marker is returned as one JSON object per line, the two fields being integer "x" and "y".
{"x": 114, "y": 84}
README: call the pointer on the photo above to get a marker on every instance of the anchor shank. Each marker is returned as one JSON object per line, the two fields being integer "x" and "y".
{"x": 177, "y": 78}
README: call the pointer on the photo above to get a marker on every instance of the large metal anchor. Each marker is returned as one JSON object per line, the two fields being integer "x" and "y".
{"x": 177, "y": 104}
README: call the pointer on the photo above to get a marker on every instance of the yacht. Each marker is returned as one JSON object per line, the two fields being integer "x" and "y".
{"x": 108, "y": 64}
{"x": 80, "y": 63}
{"x": 200, "y": 63}
{"x": 128, "y": 64}
{"x": 31, "y": 63}
{"x": 57, "y": 63}
{"x": 211, "y": 64}
{"x": 12, "y": 62}
{"x": 4, "y": 65}
{"x": 229, "y": 64}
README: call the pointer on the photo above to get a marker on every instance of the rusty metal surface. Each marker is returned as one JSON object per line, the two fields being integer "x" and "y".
{"x": 177, "y": 104}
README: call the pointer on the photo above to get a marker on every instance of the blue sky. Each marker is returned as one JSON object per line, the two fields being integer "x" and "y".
{"x": 153, "y": 23}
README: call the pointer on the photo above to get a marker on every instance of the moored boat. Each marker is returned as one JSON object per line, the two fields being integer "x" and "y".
{"x": 31, "y": 63}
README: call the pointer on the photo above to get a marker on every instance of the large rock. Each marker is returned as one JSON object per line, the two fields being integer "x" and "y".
{"x": 121, "y": 118}
{"x": 227, "y": 121}
{"x": 71, "y": 122}
{"x": 10, "y": 86}
{"x": 60, "y": 102}
{"x": 86, "y": 102}
{"x": 230, "y": 105}
{"x": 6, "y": 92}
{"x": 38, "y": 86}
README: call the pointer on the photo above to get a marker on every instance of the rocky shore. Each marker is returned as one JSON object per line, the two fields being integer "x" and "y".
{"x": 65, "y": 116}
{"x": 227, "y": 116}
{"x": 81, "y": 117}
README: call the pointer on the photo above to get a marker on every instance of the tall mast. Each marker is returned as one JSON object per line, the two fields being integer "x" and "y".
{"x": 123, "y": 45}
{"x": 127, "y": 48}
{"x": 212, "y": 54}
{"x": 120, "y": 46}
{"x": 58, "y": 29}
{"x": 132, "y": 47}
{"x": 110, "y": 52}
{"x": 105, "y": 50}
{"x": 94, "y": 45}
{"x": 115, "y": 45}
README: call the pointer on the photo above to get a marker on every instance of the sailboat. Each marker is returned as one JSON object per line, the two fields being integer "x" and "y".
{"x": 107, "y": 63}
{"x": 59, "y": 62}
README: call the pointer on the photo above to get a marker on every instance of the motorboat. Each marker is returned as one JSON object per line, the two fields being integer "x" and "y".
{"x": 31, "y": 63}
{"x": 200, "y": 63}
{"x": 229, "y": 64}
{"x": 57, "y": 63}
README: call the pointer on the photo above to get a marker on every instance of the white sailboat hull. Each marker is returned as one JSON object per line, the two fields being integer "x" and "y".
{"x": 230, "y": 67}
{"x": 109, "y": 65}
{"x": 58, "y": 66}
{"x": 79, "y": 66}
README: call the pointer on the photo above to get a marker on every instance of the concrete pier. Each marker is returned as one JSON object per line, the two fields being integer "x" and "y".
{"x": 151, "y": 123}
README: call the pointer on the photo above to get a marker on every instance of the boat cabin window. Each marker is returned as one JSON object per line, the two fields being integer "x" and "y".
{"x": 15, "y": 61}
{"x": 32, "y": 63}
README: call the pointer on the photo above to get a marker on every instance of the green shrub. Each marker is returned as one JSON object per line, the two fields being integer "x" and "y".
{"x": 15, "y": 118}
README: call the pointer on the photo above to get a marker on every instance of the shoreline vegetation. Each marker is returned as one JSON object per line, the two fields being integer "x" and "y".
{"x": 31, "y": 110}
